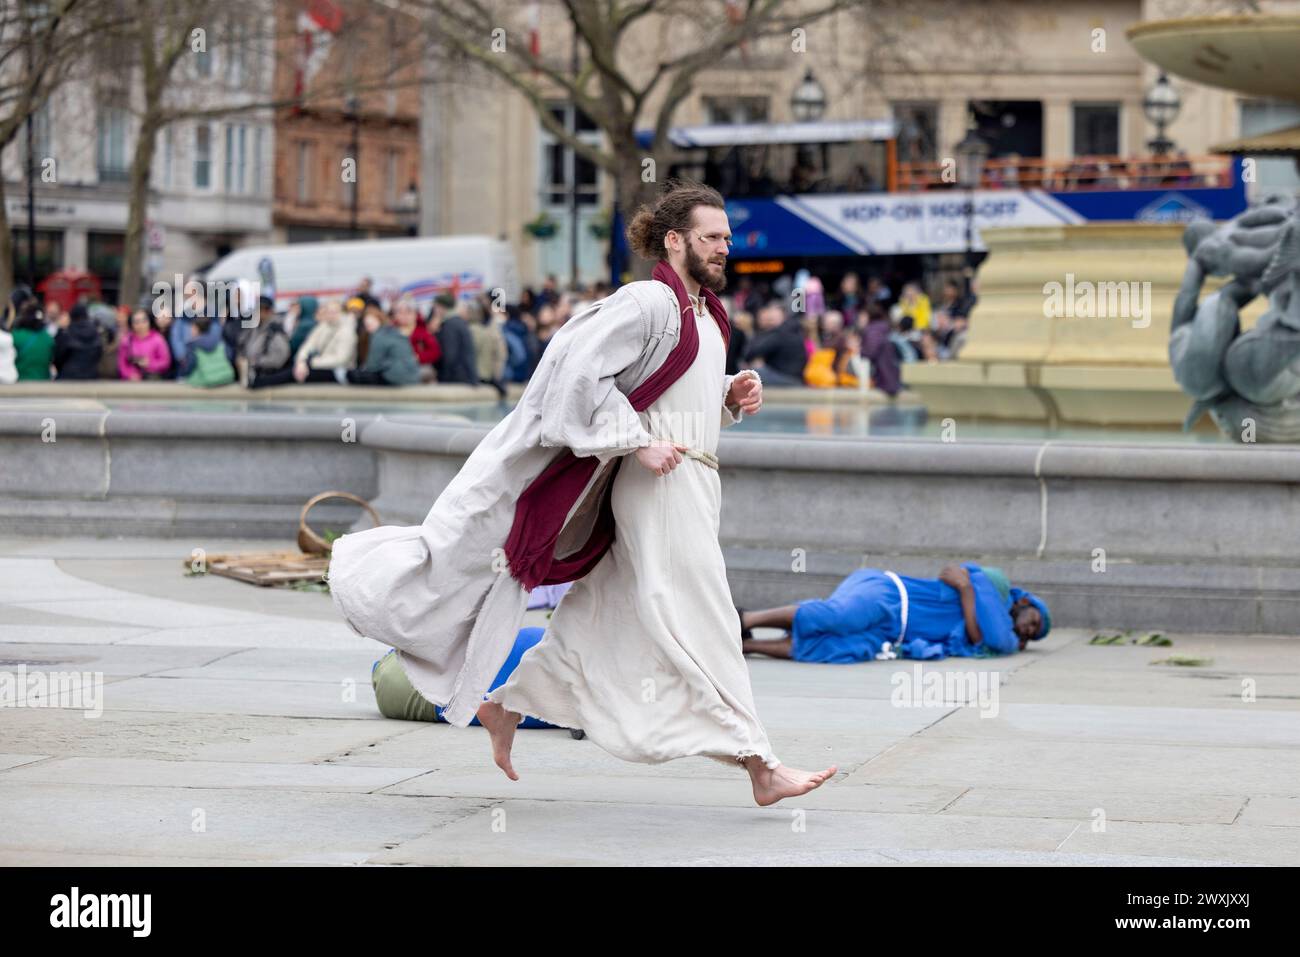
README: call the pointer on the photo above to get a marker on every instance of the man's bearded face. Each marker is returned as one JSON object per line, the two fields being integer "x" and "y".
{"x": 710, "y": 273}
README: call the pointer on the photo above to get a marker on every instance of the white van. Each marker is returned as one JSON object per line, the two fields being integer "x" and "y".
{"x": 422, "y": 267}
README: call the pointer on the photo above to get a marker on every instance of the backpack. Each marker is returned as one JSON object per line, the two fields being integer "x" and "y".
{"x": 211, "y": 368}
{"x": 516, "y": 351}
{"x": 272, "y": 349}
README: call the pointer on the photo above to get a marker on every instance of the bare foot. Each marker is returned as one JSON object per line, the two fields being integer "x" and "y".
{"x": 773, "y": 784}
{"x": 501, "y": 725}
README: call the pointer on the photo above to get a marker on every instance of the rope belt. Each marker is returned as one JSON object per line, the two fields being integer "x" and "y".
{"x": 708, "y": 458}
{"x": 902, "y": 611}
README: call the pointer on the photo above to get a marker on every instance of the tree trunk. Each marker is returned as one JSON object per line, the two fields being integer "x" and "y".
{"x": 129, "y": 289}
{"x": 6, "y": 249}
{"x": 632, "y": 193}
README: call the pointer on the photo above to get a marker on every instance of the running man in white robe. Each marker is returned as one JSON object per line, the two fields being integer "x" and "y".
{"x": 644, "y": 652}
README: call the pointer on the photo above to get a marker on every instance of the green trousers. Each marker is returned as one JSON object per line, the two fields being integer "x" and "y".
{"x": 394, "y": 694}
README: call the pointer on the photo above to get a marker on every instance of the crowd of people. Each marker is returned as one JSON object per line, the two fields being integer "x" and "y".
{"x": 817, "y": 344}
{"x": 791, "y": 332}
{"x": 349, "y": 340}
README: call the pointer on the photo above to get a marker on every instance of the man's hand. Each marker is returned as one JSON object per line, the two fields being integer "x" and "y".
{"x": 746, "y": 391}
{"x": 956, "y": 576}
{"x": 660, "y": 457}
{"x": 300, "y": 371}
{"x": 959, "y": 578}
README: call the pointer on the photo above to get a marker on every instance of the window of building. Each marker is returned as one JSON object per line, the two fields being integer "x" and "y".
{"x": 110, "y": 154}
{"x": 1272, "y": 174}
{"x": 918, "y": 124}
{"x": 202, "y": 60}
{"x": 236, "y": 158}
{"x": 1096, "y": 129}
{"x": 1012, "y": 128}
{"x": 258, "y": 146}
{"x": 563, "y": 168}
{"x": 392, "y": 163}
{"x": 304, "y": 178}
{"x": 42, "y": 140}
{"x": 235, "y": 47}
{"x": 49, "y": 252}
{"x": 736, "y": 109}
{"x": 104, "y": 253}
{"x": 203, "y": 156}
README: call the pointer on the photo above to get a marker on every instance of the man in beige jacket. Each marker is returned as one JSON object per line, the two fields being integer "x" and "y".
{"x": 326, "y": 355}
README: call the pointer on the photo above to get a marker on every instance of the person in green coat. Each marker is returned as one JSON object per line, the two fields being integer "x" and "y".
{"x": 33, "y": 344}
{"x": 390, "y": 360}
{"x": 304, "y": 324}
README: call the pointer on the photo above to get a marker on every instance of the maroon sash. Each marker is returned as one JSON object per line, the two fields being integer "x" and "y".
{"x": 548, "y": 499}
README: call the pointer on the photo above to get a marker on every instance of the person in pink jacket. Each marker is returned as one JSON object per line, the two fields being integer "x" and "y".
{"x": 143, "y": 353}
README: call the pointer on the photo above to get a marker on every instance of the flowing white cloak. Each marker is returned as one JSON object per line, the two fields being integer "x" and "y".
{"x": 441, "y": 592}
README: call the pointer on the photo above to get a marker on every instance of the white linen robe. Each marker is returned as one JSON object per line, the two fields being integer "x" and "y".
{"x": 441, "y": 592}
{"x": 644, "y": 653}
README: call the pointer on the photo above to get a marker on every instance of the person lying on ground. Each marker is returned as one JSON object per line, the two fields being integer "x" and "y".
{"x": 969, "y": 611}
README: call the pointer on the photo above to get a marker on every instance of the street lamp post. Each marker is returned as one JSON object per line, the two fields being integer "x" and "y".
{"x": 1161, "y": 106}
{"x": 31, "y": 206}
{"x": 972, "y": 151}
{"x": 571, "y": 161}
{"x": 351, "y": 112}
{"x": 808, "y": 101}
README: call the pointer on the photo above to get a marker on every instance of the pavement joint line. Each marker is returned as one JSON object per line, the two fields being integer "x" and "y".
{"x": 382, "y": 787}
{"x": 1068, "y": 836}
{"x": 1241, "y": 810}
{"x": 27, "y": 764}
{"x": 954, "y": 800}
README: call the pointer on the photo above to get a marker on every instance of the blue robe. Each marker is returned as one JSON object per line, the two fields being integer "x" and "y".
{"x": 526, "y": 638}
{"x": 864, "y": 612}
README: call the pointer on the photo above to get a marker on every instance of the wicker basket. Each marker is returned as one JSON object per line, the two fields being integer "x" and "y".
{"x": 312, "y": 543}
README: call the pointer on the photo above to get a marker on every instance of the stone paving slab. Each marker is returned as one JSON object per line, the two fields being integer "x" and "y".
{"x": 280, "y": 633}
{"x": 1147, "y": 684}
{"x": 1260, "y": 654}
{"x": 136, "y": 772}
{"x": 872, "y": 679}
{"x": 573, "y": 832}
{"x": 1272, "y": 812}
{"x": 197, "y": 736}
{"x": 554, "y": 751}
{"x": 1238, "y": 844}
{"x": 667, "y": 791}
{"x": 307, "y": 699}
{"x": 1077, "y": 765}
{"x": 1253, "y": 723}
{"x": 45, "y": 628}
{"x": 157, "y": 578}
{"x": 233, "y": 699}
{"x": 8, "y": 761}
{"x": 1081, "y": 804}
{"x": 117, "y": 659}
{"x": 148, "y": 612}
{"x": 283, "y": 664}
{"x": 241, "y": 824}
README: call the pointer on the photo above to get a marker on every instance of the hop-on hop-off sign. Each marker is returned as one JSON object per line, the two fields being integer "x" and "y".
{"x": 866, "y": 224}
